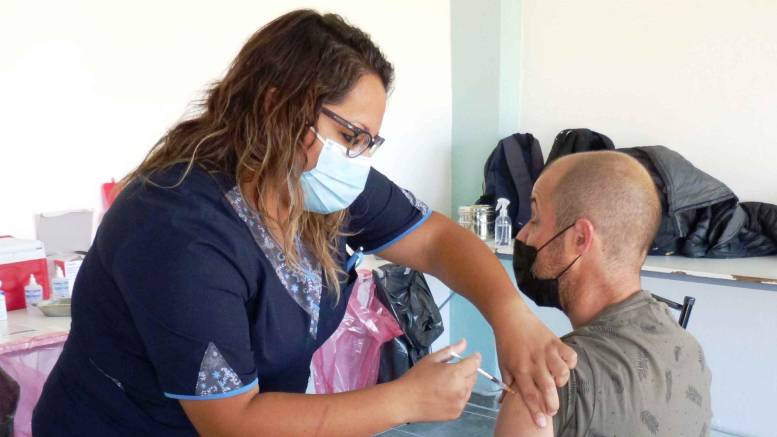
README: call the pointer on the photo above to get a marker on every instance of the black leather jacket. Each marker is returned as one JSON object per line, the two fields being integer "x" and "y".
{"x": 702, "y": 217}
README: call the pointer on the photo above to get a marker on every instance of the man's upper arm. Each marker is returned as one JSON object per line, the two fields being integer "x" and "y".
{"x": 515, "y": 420}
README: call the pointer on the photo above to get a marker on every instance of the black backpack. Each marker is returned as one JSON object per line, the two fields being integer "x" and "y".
{"x": 510, "y": 172}
{"x": 570, "y": 141}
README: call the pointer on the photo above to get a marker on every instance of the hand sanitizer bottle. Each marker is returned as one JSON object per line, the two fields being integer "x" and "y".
{"x": 60, "y": 285}
{"x": 3, "y": 309}
{"x": 503, "y": 228}
{"x": 33, "y": 292}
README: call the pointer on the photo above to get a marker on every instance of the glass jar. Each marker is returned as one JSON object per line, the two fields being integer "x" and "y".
{"x": 484, "y": 221}
{"x": 466, "y": 217}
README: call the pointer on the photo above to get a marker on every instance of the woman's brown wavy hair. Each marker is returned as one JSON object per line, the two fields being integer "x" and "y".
{"x": 251, "y": 124}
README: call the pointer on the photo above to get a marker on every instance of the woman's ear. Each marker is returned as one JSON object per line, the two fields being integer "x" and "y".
{"x": 309, "y": 138}
{"x": 311, "y": 150}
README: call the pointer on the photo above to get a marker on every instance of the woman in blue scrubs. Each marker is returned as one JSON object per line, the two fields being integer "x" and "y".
{"x": 222, "y": 265}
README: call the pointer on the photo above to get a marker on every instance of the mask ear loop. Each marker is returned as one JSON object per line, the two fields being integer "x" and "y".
{"x": 324, "y": 140}
{"x": 570, "y": 264}
{"x": 568, "y": 267}
{"x": 318, "y": 136}
{"x": 556, "y": 236}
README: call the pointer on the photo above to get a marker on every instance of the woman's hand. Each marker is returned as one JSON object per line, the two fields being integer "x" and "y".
{"x": 438, "y": 391}
{"x": 534, "y": 360}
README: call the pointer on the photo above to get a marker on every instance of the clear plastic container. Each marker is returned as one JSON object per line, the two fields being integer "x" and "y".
{"x": 3, "y": 309}
{"x": 503, "y": 229}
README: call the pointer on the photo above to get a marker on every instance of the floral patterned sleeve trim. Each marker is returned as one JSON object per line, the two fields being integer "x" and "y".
{"x": 216, "y": 379}
{"x": 304, "y": 284}
{"x": 416, "y": 202}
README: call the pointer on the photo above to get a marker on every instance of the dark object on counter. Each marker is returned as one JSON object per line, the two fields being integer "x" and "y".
{"x": 702, "y": 217}
{"x": 510, "y": 172}
{"x": 406, "y": 294}
{"x": 9, "y": 400}
{"x": 578, "y": 140}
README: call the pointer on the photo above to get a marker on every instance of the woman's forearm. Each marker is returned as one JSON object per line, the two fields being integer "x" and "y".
{"x": 357, "y": 413}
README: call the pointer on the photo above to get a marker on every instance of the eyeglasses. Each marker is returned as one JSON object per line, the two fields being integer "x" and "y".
{"x": 361, "y": 141}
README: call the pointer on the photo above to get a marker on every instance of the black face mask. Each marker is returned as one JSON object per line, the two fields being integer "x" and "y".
{"x": 544, "y": 292}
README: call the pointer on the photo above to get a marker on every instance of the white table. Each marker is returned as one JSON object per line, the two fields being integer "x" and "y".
{"x": 25, "y": 325}
{"x": 30, "y": 344}
{"x": 756, "y": 270}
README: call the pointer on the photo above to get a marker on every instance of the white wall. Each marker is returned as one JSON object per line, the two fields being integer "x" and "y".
{"x": 87, "y": 87}
{"x": 698, "y": 76}
{"x": 738, "y": 332}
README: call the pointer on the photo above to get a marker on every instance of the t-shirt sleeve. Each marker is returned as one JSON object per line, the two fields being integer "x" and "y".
{"x": 576, "y": 398}
{"x": 187, "y": 297}
{"x": 383, "y": 214}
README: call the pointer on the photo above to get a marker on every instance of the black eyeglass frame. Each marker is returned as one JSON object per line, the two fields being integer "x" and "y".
{"x": 372, "y": 145}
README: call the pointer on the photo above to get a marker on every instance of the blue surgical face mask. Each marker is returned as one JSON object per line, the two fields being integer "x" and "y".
{"x": 336, "y": 181}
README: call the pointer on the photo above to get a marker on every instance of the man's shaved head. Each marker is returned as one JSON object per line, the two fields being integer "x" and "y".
{"x": 614, "y": 192}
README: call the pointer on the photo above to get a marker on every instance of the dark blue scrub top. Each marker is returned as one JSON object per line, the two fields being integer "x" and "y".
{"x": 177, "y": 300}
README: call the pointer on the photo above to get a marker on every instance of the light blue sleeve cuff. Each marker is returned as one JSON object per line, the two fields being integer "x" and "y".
{"x": 228, "y": 394}
{"x": 355, "y": 260}
{"x": 402, "y": 235}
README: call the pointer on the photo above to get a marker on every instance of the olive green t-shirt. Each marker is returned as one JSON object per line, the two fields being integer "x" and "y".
{"x": 638, "y": 374}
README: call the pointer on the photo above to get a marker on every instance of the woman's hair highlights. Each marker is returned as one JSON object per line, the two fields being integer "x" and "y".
{"x": 251, "y": 124}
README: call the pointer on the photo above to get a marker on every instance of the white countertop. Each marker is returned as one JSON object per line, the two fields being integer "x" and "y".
{"x": 26, "y": 324}
{"x": 758, "y": 270}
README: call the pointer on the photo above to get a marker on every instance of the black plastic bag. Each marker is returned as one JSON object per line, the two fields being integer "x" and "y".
{"x": 406, "y": 294}
{"x": 9, "y": 400}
